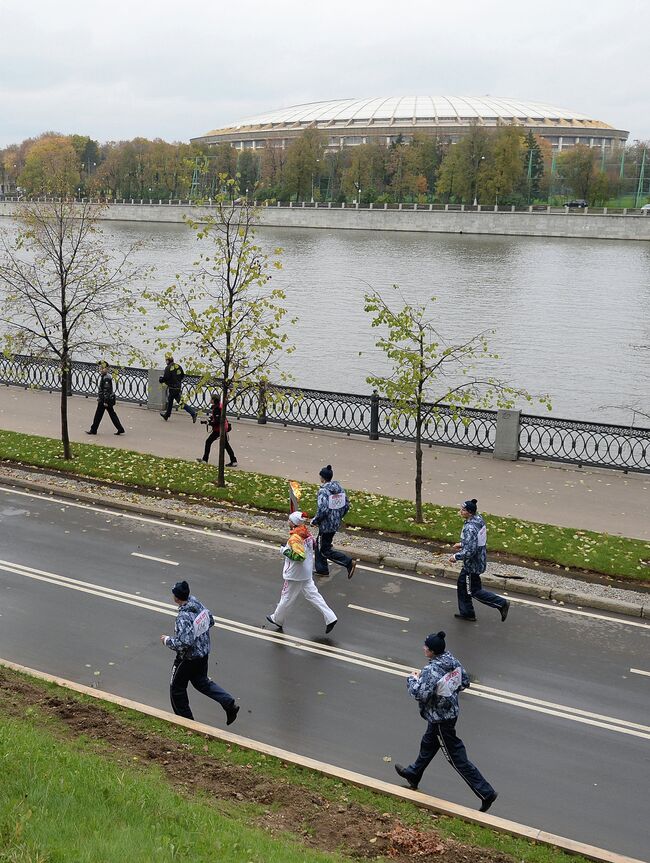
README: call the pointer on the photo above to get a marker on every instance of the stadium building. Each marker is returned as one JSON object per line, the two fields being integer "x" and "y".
{"x": 349, "y": 122}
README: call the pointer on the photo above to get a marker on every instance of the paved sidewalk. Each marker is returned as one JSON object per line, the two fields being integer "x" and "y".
{"x": 587, "y": 499}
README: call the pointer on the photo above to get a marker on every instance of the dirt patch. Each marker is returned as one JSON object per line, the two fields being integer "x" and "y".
{"x": 357, "y": 831}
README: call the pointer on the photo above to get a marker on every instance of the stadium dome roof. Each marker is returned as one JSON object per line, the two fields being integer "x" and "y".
{"x": 415, "y": 109}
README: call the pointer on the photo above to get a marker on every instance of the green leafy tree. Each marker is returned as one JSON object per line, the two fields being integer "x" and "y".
{"x": 224, "y": 315}
{"x": 248, "y": 170}
{"x": 62, "y": 293}
{"x": 533, "y": 166}
{"x": 451, "y": 180}
{"x": 52, "y": 167}
{"x": 577, "y": 168}
{"x": 429, "y": 371}
{"x": 502, "y": 175}
{"x": 304, "y": 156}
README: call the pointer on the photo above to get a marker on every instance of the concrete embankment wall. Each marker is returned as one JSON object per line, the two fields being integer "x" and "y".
{"x": 613, "y": 226}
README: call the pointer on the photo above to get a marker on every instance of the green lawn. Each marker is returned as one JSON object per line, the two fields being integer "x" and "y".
{"x": 537, "y": 543}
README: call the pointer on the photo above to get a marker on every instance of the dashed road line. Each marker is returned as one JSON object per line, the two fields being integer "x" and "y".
{"x": 431, "y": 582}
{"x": 525, "y": 702}
{"x": 378, "y": 613}
{"x": 156, "y": 559}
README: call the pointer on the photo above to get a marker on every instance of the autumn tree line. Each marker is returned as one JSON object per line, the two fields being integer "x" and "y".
{"x": 503, "y": 165}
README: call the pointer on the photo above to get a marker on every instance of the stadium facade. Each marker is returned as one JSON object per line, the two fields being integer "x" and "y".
{"x": 350, "y": 122}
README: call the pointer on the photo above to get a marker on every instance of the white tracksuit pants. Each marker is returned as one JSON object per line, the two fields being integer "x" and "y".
{"x": 291, "y": 590}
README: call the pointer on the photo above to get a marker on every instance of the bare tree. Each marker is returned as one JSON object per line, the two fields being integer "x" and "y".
{"x": 63, "y": 293}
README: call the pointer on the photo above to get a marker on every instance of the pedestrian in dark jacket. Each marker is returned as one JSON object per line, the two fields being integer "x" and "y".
{"x": 473, "y": 553}
{"x": 214, "y": 423}
{"x": 333, "y": 506}
{"x": 436, "y": 689}
{"x": 105, "y": 401}
{"x": 191, "y": 642}
{"x": 172, "y": 378}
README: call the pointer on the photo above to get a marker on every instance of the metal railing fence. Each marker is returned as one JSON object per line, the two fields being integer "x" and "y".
{"x": 539, "y": 437}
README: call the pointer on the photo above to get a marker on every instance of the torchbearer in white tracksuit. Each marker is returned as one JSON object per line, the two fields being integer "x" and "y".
{"x": 297, "y": 574}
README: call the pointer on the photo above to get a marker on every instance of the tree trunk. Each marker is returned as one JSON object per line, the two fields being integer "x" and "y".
{"x": 221, "y": 473}
{"x": 65, "y": 435}
{"x": 418, "y": 466}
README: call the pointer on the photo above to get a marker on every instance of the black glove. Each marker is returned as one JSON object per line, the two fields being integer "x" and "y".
{"x": 160, "y": 380}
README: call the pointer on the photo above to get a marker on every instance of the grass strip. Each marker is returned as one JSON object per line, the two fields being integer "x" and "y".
{"x": 64, "y": 799}
{"x": 61, "y": 803}
{"x": 617, "y": 556}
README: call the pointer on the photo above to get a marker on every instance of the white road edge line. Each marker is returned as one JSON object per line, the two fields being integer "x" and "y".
{"x": 378, "y": 613}
{"x": 156, "y": 559}
{"x": 512, "y": 699}
{"x": 640, "y": 671}
{"x": 205, "y": 531}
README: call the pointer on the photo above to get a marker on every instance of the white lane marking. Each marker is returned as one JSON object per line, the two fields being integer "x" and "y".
{"x": 608, "y": 723}
{"x": 206, "y": 531}
{"x": 156, "y": 559}
{"x": 378, "y": 613}
{"x": 640, "y": 671}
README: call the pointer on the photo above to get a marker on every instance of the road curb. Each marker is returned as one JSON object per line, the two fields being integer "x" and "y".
{"x": 585, "y": 600}
{"x": 425, "y": 801}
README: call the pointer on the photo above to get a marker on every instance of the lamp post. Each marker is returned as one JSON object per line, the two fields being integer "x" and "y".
{"x": 478, "y": 165}
{"x": 312, "y": 182}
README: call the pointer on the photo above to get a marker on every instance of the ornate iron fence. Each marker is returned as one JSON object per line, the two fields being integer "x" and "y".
{"x": 594, "y": 444}
{"x": 549, "y": 438}
{"x": 45, "y": 374}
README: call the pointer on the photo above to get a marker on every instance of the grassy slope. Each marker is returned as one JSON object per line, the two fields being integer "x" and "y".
{"x": 566, "y": 547}
{"x": 61, "y": 800}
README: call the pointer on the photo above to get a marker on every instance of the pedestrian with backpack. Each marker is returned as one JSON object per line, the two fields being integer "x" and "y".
{"x": 214, "y": 423}
{"x": 172, "y": 378}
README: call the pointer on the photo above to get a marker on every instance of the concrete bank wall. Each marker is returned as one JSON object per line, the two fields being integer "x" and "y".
{"x": 524, "y": 224}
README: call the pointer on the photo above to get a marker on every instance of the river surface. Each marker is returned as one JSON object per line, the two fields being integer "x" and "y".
{"x": 568, "y": 314}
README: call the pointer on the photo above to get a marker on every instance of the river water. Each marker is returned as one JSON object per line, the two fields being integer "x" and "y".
{"x": 568, "y": 314}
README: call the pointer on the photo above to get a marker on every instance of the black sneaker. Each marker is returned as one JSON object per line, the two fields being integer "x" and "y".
{"x": 403, "y": 772}
{"x": 120, "y": 432}
{"x": 164, "y": 417}
{"x": 232, "y": 463}
{"x": 330, "y": 626}
{"x": 351, "y": 568}
{"x": 277, "y": 625}
{"x": 504, "y": 611}
{"x": 203, "y": 460}
{"x": 91, "y": 432}
{"x": 194, "y": 416}
{"x": 485, "y": 805}
{"x": 231, "y": 714}
{"x": 465, "y": 617}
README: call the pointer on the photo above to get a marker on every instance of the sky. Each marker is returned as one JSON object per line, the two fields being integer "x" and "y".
{"x": 116, "y": 70}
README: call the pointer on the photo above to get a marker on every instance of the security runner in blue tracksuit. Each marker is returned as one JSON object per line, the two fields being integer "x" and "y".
{"x": 191, "y": 641}
{"x": 436, "y": 689}
{"x": 473, "y": 553}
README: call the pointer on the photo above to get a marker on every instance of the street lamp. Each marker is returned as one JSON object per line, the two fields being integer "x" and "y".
{"x": 478, "y": 164}
{"x": 312, "y": 182}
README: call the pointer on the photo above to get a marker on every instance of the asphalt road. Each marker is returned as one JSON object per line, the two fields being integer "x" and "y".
{"x": 555, "y": 718}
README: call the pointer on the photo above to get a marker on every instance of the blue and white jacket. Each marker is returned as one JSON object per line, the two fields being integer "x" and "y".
{"x": 333, "y": 506}
{"x": 191, "y": 638}
{"x": 473, "y": 552}
{"x": 437, "y": 686}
